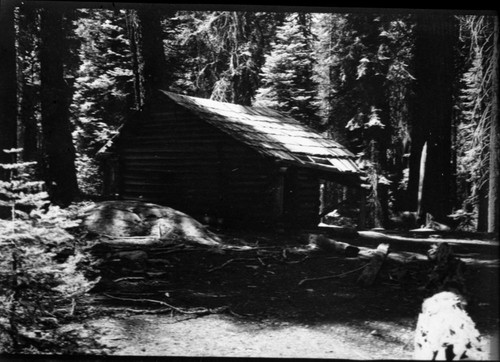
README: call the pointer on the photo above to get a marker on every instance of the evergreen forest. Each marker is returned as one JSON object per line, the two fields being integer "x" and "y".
{"x": 382, "y": 84}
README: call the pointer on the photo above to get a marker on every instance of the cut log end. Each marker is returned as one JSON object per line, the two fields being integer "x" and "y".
{"x": 370, "y": 272}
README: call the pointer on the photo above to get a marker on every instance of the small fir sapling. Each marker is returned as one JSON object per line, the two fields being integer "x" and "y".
{"x": 38, "y": 290}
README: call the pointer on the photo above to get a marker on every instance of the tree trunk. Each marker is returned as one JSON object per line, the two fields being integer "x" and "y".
{"x": 28, "y": 81}
{"x": 433, "y": 109}
{"x": 55, "y": 97}
{"x": 482, "y": 208}
{"x": 8, "y": 84}
{"x": 131, "y": 20}
{"x": 494, "y": 166}
{"x": 154, "y": 65}
{"x": 370, "y": 272}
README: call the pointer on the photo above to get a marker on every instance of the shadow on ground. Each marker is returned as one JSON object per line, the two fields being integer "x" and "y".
{"x": 274, "y": 280}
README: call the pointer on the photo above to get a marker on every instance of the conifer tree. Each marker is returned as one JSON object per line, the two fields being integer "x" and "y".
{"x": 220, "y": 54}
{"x": 287, "y": 75}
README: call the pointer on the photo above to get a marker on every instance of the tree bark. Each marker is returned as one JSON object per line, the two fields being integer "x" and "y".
{"x": 153, "y": 65}
{"x": 28, "y": 79}
{"x": 494, "y": 166}
{"x": 436, "y": 35}
{"x": 131, "y": 20}
{"x": 8, "y": 84}
{"x": 55, "y": 97}
{"x": 370, "y": 272}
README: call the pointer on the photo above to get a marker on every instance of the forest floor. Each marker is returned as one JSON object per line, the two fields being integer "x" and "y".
{"x": 258, "y": 301}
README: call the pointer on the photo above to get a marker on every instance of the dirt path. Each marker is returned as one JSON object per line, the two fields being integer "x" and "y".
{"x": 294, "y": 303}
{"x": 225, "y": 336}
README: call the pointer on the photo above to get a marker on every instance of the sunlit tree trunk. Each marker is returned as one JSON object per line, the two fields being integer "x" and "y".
{"x": 494, "y": 166}
{"x": 55, "y": 96}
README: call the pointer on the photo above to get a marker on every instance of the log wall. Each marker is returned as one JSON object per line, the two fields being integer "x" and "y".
{"x": 175, "y": 159}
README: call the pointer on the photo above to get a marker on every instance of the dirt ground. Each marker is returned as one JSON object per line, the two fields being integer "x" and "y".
{"x": 262, "y": 300}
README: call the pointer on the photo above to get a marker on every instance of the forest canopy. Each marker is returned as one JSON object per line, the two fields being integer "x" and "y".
{"x": 411, "y": 94}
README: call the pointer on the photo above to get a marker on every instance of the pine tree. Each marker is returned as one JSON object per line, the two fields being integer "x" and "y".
{"x": 287, "y": 75}
{"x": 363, "y": 84}
{"x": 477, "y": 112}
{"x": 222, "y": 53}
{"x": 19, "y": 193}
{"x": 28, "y": 78}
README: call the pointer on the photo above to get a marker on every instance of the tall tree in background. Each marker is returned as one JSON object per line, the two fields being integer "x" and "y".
{"x": 28, "y": 74}
{"x": 363, "y": 81}
{"x": 153, "y": 67}
{"x": 220, "y": 54}
{"x": 494, "y": 136}
{"x": 55, "y": 97}
{"x": 328, "y": 73}
{"x": 8, "y": 84}
{"x": 287, "y": 75}
{"x": 436, "y": 36}
{"x": 477, "y": 174}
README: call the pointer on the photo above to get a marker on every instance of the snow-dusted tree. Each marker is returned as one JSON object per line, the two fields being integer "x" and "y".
{"x": 287, "y": 75}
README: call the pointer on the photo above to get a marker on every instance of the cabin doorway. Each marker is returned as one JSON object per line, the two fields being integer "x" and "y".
{"x": 340, "y": 205}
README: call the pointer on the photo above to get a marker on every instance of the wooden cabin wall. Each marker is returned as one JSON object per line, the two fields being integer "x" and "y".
{"x": 307, "y": 198}
{"x": 177, "y": 160}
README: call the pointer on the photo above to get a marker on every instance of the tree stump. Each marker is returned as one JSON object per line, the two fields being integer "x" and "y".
{"x": 445, "y": 332}
{"x": 370, "y": 272}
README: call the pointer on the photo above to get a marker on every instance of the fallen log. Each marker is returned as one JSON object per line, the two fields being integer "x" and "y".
{"x": 321, "y": 242}
{"x": 370, "y": 272}
{"x": 330, "y": 276}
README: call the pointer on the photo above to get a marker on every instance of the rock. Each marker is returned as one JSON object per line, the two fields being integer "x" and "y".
{"x": 126, "y": 218}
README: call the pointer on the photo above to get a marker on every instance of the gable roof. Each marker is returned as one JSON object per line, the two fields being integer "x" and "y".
{"x": 272, "y": 133}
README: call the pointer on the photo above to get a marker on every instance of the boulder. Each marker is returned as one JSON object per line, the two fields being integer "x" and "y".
{"x": 128, "y": 218}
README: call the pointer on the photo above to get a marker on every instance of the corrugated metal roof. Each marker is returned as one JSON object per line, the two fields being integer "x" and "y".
{"x": 272, "y": 133}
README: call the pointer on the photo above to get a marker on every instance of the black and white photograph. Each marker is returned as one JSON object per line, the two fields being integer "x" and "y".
{"x": 248, "y": 181}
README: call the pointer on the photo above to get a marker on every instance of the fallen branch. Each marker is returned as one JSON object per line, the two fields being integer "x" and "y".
{"x": 127, "y": 278}
{"x": 141, "y": 311}
{"x": 229, "y": 262}
{"x": 298, "y": 261}
{"x": 199, "y": 310}
{"x": 331, "y": 276}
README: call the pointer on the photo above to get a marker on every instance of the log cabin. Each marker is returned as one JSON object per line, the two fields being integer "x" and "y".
{"x": 251, "y": 166}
